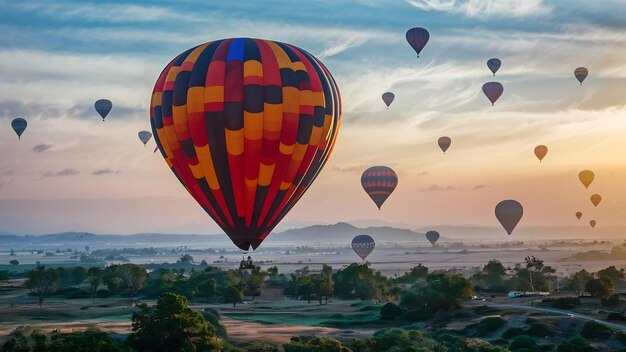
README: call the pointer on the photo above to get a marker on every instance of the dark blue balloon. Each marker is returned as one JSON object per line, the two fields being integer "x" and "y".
{"x": 103, "y": 106}
{"x": 494, "y": 65}
{"x": 19, "y": 126}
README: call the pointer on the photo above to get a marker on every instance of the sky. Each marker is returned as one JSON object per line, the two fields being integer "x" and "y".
{"x": 73, "y": 172}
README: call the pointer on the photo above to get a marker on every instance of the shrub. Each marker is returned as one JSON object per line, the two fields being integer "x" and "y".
{"x": 539, "y": 329}
{"x": 489, "y": 325}
{"x": 523, "y": 342}
{"x": 512, "y": 332}
{"x": 616, "y": 316}
{"x": 594, "y": 330}
{"x": 575, "y": 344}
{"x": 390, "y": 311}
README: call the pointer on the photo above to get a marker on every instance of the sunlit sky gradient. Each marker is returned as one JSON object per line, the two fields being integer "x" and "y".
{"x": 73, "y": 172}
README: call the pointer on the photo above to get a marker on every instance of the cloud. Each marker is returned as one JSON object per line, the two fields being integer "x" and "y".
{"x": 437, "y": 188}
{"x": 423, "y": 173}
{"x": 106, "y": 171}
{"x": 485, "y": 8}
{"x": 64, "y": 172}
{"x": 477, "y": 187}
{"x": 7, "y": 172}
{"x": 40, "y": 148}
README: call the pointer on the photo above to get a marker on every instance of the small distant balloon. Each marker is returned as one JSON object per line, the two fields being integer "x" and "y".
{"x": 19, "y": 126}
{"x": 541, "y": 151}
{"x": 417, "y": 38}
{"x": 581, "y": 73}
{"x": 494, "y": 65}
{"x": 493, "y": 91}
{"x": 579, "y": 215}
{"x": 432, "y": 237}
{"x": 596, "y": 199}
{"x": 592, "y": 223}
{"x": 103, "y": 107}
{"x": 144, "y": 137}
{"x": 586, "y": 177}
{"x": 444, "y": 143}
{"x": 379, "y": 182}
{"x": 363, "y": 245}
{"x": 388, "y": 98}
{"x": 509, "y": 213}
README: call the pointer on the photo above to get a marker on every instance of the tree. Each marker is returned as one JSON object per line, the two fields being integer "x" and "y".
{"x": 254, "y": 282}
{"x": 208, "y": 289}
{"x": 79, "y": 274}
{"x": 133, "y": 277}
{"x": 314, "y": 344}
{"x": 14, "y": 262}
{"x": 306, "y": 290}
{"x": 186, "y": 259}
{"x": 233, "y": 295}
{"x": 441, "y": 291}
{"x": 611, "y": 273}
{"x": 389, "y": 311}
{"x": 272, "y": 272}
{"x": 578, "y": 281}
{"x": 42, "y": 282}
{"x": 94, "y": 276}
{"x": 490, "y": 278}
{"x": 419, "y": 272}
{"x": 532, "y": 277}
{"x": 601, "y": 288}
{"x": 172, "y": 325}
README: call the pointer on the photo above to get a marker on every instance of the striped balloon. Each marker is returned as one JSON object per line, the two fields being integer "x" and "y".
{"x": 581, "y": 73}
{"x": 417, "y": 38}
{"x": 363, "y": 245}
{"x": 379, "y": 182}
{"x": 246, "y": 125}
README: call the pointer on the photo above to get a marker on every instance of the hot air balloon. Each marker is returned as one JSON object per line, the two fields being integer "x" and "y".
{"x": 379, "y": 182}
{"x": 541, "y": 151}
{"x": 432, "y": 237}
{"x": 388, "y": 98}
{"x": 580, "y": 74}
{"x": 417, "y": 38}
{"x": 509, "y": 213}
{"x": 586, "y": 177}
{"x": 144, "y": 137}
{"x": 578, "y": 215}
{"x": 103, "y": 107}
{"x": 596, "y": 199}
{"x": 246, "y": 125}
{"x": 493, "y": 91}
{"x": 363, "y": 245}
{"x": 444, "y": 143}
{"x": 19, "y": 126}
{"x": 494, "y": 65}
{"x": 592, "y": 223}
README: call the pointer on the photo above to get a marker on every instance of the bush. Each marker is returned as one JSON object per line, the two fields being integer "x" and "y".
{"x": 594, "y": 330}
{"x": 539, "y": 329}
{"x": 512, "y": 332}
{"x": 414, "y": 315}
{"x": 390, "y": 311}
{"x": 576, "y": 344}
{"x": 489, "y": 325}
{"x": 485, "y": 310}
{"x": 523, "y": 342}
{"x": 616, "y": 316}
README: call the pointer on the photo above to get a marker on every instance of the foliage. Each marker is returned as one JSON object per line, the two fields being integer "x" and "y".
{"x": 612, "y": 273}
{"x": 441, "y": 291}
{"x": 308, "y": 286}
{"x": 578, "y": 280}
{"x": 14, "y": 262}
{"x": 24, "y": 339}
{"x": 533, "y": 276}
{"x": 42, "y": 282}
{"x": 563, "y": 302}
{"x": 172, "y": 325}
{"x": 233, "y": 295}
{"x": 576, "y": 344}
{"x": 362, "y": 282}
{"x": 417, "y": 273}
{"x": 390, "y": 311}
{"x": 492, "y": 277}
{"x": 314, "y": 344}
{"x": 595, "y": 330}
{"x": 397, "y": 340}
{"x": 524, "y": 343}
{"x": 489, "y": 325}
{"x": 601, "y": 288}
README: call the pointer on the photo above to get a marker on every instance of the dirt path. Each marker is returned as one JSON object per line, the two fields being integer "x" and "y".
{"x": 243, "y": 331}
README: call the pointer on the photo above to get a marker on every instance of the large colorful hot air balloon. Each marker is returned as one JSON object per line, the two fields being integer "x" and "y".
{"x": 493, "y": 91}
{"x": 541, "y": 151}
{"x": 596, "y": 199}
{"x": 432, "y": 237}
{"x": 417, "y": 38}
{"x": 19, "y": 126}
{"x": 103, "y": 107}
{"x": 579, "y": 215}
{"x": 509, "y": 213}
{"x": 592, "y": 223}
{"x": 494, "y": 65}
{"x": 388, "y": 98}
{"x": 144, "y": 137}
{"x": 363, "y": 245}
{"x": 586, "y": 177}
{"x": 246, "y": 125}
{"x": 580, "y": 74}
{"x": 444, "y": 143}
{"x": 379, "y": 182}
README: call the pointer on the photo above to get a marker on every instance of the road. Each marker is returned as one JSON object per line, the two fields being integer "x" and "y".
{"x": 561, "y": 312}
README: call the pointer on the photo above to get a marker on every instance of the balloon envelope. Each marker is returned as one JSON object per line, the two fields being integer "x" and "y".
{"x": 432, "y": 237}
{"x": 103, "y": 107}
{"x": 541, "y": 151}
{"x": 144, "y": 137}
{"x": 596, "y": 199}
{"x": 579, "y": 215}
{"x": 444, "y": 143}
{"x": 493, "y": 91}
{"x": 246, "y": 125}
{"x": 592, "y": 223}
{"x": 388, "y": 98}
{"x": 494, "y": 65}
{"x": 19, "y": 126}
{"x": 379, "y": 182}
{"x": 586, "y": 177}
{"x": 417, "y": 38}
{"x": 580, "y": 74}
{"x": 363, "y": 245}
{"x": 509, "y": 213}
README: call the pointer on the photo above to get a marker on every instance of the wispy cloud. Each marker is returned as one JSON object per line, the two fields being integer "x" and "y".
{"x": 40, "y": 148}
{"x": 64, "y": 172}
{"x": 106, "y": 171}
{"x": 437, "y": 188}
{"x": 423, "y": 173}
{"x": 485, "y": 8}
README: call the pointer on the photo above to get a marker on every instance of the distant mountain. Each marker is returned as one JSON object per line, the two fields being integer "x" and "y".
{"x": 342, "y": 232}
